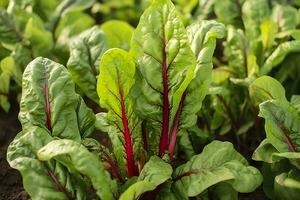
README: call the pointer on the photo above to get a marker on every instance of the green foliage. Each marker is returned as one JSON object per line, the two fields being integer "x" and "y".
{"x": 166, "y": 81}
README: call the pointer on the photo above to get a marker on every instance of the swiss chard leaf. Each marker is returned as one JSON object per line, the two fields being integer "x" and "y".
{"x": 50, "y": 102}
{"x": 114, "y": 85}
{"x": 282, "y": 125}
{"x": 116, "y": 38}
{"x": 78, "y": 159}
{"x": 42, "y": 180}
{"x": 218, "y": 162}
{"x": 86, "y": 51}
{"x": 154, "y": 173}
{"x": 165, "y": 65}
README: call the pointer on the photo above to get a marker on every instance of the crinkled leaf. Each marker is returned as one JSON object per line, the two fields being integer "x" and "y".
{"x": 266, "y": 88}
{"x": 114, "y": 85}
{"x": 202, "y": 37}
{"x": 50, "y": 102}
{"x": 42, "y": 180}
{"x": 115, "y": 37}
{"x": 78, "y": 159}
{"x": 154, "y": 173}
{"x": 165, "y": 65}
{"x": 86, "y": 51}
{"x": 218, "y": 162}
{"x": 236, "y": 51}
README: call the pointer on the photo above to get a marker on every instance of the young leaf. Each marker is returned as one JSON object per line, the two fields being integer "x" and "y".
{"x": 78, "y": 159}
{"x": 50, "y": 102}
{"x": 114, "y": 85}
{"x": 266, "y": 88}
{"x": 116, "y": 38}
{"x": 282, "y": 125}
{"x": 154, "y": 173}
{"x": 86, "y": 51}
{"x": 218, "y": 162}
{"x": 165, "y": 66}
{"x": 202, "y": 37}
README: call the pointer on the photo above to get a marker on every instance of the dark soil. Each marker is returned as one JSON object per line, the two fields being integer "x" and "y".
{"x": 10, "y": 180}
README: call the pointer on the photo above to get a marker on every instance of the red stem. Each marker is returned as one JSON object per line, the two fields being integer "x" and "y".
{"x": 48, "y": 114}
{"x": 175, "y": 127}
{"x": 114, "y": 169}
{"x": 288, "y": 140}
{"x": 163, "y": 145}
{"x": 57, "y": 183}
{"x": 47, "y": 109}
{"x": 127, "y": 136}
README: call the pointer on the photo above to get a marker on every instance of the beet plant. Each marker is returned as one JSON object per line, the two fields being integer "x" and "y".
{"x": 152, "y": 95}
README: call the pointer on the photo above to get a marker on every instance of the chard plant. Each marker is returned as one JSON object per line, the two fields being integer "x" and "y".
{"x": 280, "y": 150}
{"x": 152, "y": 95}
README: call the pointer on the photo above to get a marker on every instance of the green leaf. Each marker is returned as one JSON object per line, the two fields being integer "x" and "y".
{"x": 295, "y": 101}
{"x": 114, "y": 85}
{"x": 279, "y": 54}
{"x": 50, "y": 102}
{"x": 202, "y": 37}
{"x": 285, "y": 16}
{"x": 115, "y": 37}
{"x": 8, "y": 31}
{"x": 8, "y": 70}
{"x": 204, "y": 9}
{"x": 42, "y": 180}
{"x": 287, "y": 185}
{"x": 70, "y": 25}
{"x": 40, "y": 39}
{"x": 264, "y": 152}
{"x": 268, "y": 30}
{"x": 266, "y": 88}
{"x": 236, "y": 51}
{"x": 165, "y": 64}
{"x": 154, "y": 173}
{"x": 78, "y": 159}
{"x": 230, "y": 12}
{"x": 282, "y": 125}
{"x": 86, "y": 51}
{"x": 224, "y": 191}
{"x": 218, "y": 162}
{"x": 254, "y": 13}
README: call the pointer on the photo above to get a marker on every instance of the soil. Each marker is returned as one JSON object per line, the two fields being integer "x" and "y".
{"x": 10, "y": 180}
